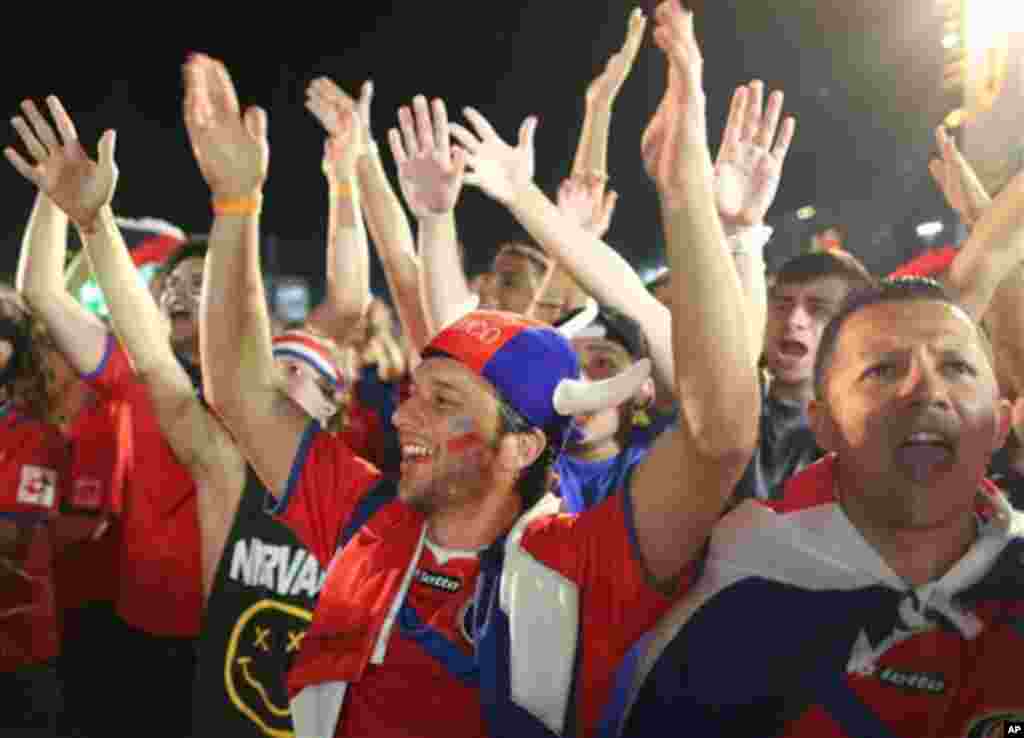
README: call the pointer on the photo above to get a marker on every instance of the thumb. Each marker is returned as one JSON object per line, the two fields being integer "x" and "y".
{"x": 107, "y": 143}
{"x": 610, "y": 201}
{"x": 526, "y": 131}
{"x": 255, "y": 120}
{"x": 459, "y": 161}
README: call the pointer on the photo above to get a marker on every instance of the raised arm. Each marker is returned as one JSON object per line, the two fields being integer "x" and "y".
{"x": 385, "y": 219}
{"x": 995, "y": 247}
{"x": 717, "y": 384}
{"x": 240, "y": 377}
{"x": 348, "y": 255}
{"x": 505, "y": 173}
{"x": 430, "y": 174}
{"x": 747, "y": 174}
{"x": 591, "y": 162}
{"x": 79, "y": 334}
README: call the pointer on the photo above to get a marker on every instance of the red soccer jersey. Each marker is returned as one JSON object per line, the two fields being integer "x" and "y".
{"x": 32, "y": 475}
{"x": 160, "y": 589}
{"x": 101, "y": 446}
{"x": 362, "y": 432}
{"x": 411, "y": 693}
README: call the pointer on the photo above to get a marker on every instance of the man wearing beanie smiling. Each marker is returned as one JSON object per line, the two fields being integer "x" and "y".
{"x": 454, "y": 604}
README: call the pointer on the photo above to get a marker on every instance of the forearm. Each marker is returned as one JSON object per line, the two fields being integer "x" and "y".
{"x": 994, "y": 249}
{"x": 581, "y": 161}
{"x": 78, "y": 334}
{"x": 596, "y": 160}
{"x": 444, "y": 286}
{"x": 747, "y": 248}
{"x": 389, "y": 228}
{"x": 238, "y": 365}
{"x": 712, "y": 336}
{"x": 348, "y": 258}
{"x": 136, "y": 318}
{"x": 43, "y": 251}
{"x": 600, "y": 271}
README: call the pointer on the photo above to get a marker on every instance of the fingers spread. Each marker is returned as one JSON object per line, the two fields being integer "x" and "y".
{"x": 36, "y": 149}
{"x": 405, "y": 122}
{"x": 752, "y": 122}
{"x": 480, "y": 124}
{"x": 462, "y": 134}
{"x": 397, "y": 150}
{"x": 23, "y": 167}
{"x": 424, "y": 126}
{"x": 44, "y": 133}
{"x": 785, "y": 139}
{"x": 60, "y": 116}
{"x": 442, "y": 135}
{"x": 770, "y": 123}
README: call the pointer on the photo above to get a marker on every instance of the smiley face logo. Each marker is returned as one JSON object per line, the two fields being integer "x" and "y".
{"x": 263, "y": 642}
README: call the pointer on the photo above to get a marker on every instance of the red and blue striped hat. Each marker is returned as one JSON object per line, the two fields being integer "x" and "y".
{"x": 303, "y": 346}
{"x": 533, "y": 366}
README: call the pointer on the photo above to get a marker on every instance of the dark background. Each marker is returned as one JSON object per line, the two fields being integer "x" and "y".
{"x": 863, "y": 79}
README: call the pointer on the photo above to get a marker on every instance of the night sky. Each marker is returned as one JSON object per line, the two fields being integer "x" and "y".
{"x": 863, "y": 81}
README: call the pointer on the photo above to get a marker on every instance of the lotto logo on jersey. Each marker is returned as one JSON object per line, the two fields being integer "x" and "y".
{"x": 38, "y": 486}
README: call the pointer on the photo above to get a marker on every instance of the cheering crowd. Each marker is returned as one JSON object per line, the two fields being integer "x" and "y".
{"x": 551, "y": 500}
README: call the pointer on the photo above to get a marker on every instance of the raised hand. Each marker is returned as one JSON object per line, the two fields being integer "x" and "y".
{"x": 750, "y": 159}
{"x": 344, "y": 143}
{"x": 430, "y": 171}
{"x": 605, "y": 87}
{"x": 230, "y": 147}
{"x": 498, "y": 169}
{"x": 588, "y": 204}
{"x": 62, "y": 169}
{"x": 324, "y": 95}
{"x": 957, "y": 180}
{"x": 677, "y": 133}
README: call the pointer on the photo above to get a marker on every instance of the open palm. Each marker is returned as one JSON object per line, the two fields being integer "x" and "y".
{"x": 497, "y": 168}
{"x": 63, "y": 170}
{"x": 430, "y": 172}
{"x": 750, "y": 160}
{"x": 231, "y": 149}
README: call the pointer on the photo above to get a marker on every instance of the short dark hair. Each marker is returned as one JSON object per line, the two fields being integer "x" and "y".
{"x": 193, "y": 248}
{"x": 534, "y": 254}
{"x": 899, "y": 289}
{"x": 618, "y": 328}
{"x": 821, "y": 265}
{"x": 533, "y": 483}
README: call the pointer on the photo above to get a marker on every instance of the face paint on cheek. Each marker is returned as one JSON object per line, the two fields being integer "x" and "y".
{"x": 466, "y": 436}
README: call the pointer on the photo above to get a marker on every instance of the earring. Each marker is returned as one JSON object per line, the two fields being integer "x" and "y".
{"x": 640, "y": 418}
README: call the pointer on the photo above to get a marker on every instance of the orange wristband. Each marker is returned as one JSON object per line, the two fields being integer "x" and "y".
{"x": 249, "y": 205}
{"x": 342, "y": 189}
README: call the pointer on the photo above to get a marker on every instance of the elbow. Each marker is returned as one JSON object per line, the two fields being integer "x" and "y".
{"x": 729, "y": 435}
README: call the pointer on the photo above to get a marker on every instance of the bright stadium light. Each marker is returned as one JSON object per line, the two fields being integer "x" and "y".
{"x": 806, "y": 212}
{"x": 988, "y": 22}
{"x": 930, "y": 229}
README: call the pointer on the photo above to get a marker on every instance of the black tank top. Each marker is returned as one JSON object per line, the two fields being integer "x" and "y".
{"x": 262, "y": 601}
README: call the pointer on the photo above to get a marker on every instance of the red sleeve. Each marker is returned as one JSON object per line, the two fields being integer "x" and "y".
{"x": 114, "y": 370}
{"x": 326, "y": 482}
{"x": 597, "y": 549}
